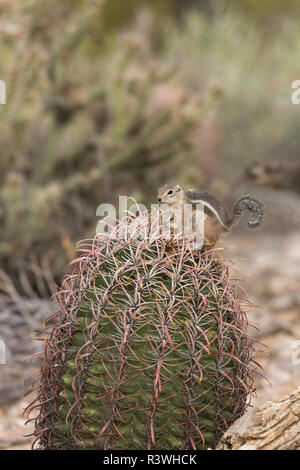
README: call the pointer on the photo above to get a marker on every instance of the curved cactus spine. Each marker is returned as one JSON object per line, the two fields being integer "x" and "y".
{"x": 150, "y": 350}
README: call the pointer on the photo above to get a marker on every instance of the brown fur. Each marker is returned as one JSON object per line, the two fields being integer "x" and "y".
{"x": 216, "y": 221}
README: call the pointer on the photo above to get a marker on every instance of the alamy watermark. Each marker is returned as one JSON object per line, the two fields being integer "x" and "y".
{"x": 296, "y": 352}
{"x": 296, "y": 94}
{"x": 2, "y": 92}
{"x": 2, "y": 352}
{"x": 163, "y": 220}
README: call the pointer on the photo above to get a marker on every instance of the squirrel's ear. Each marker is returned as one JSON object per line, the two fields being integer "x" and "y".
{"x": 177, "y": 187}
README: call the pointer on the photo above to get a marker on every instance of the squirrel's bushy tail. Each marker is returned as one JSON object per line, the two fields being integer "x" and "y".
{"x": 253, "y": 206}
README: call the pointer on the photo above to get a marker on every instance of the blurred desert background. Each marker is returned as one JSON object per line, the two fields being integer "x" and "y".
{"x": 108, "y": 98}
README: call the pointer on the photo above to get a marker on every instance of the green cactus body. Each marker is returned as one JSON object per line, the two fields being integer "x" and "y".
{"x": 150, "y": 350}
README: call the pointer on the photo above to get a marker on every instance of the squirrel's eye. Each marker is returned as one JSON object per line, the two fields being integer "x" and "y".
{"x": 170, "y": 192}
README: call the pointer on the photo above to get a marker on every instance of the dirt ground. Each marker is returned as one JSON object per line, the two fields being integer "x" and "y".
{"x": 273, "y": 284}
{"x": 272, "y": 267}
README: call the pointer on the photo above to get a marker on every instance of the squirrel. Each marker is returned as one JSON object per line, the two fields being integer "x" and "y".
{"x": 216, "y": 220}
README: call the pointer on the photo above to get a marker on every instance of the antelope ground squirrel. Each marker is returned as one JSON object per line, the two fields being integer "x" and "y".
{"x": 216, "y": 221}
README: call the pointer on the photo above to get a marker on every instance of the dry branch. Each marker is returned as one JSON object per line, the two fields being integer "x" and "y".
{"x": 273, "y": 426}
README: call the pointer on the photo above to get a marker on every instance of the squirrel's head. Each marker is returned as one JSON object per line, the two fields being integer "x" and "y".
{"x": 169, "y": 194}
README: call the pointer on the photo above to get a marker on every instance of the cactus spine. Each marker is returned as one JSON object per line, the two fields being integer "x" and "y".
{"x": 149, "y": 351}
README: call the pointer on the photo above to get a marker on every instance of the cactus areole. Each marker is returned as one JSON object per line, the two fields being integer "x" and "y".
{"x": 149, "y": 350}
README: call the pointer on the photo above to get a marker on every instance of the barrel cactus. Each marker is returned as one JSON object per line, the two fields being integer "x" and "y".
{"x": 149, "y": 349}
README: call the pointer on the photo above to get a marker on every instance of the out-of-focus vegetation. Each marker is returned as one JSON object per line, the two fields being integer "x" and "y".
{"x": 107, "y": 98}
{"x": 82, "y": 124}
